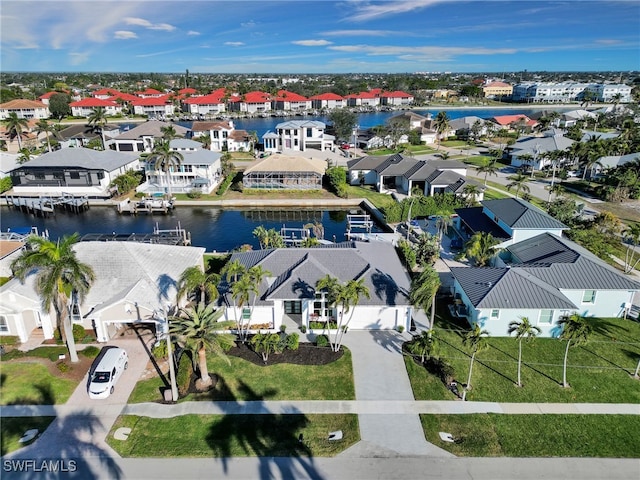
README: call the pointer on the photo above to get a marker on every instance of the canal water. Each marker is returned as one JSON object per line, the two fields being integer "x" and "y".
{"x": 214, "y": 228}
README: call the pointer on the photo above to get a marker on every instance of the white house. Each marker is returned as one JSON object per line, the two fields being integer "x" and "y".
{"x": 134, "y": 284}
{"x": 298, "y": 135}
{"x": 154, "y": 107}
{"x": 537, "y": 147}
{"x": 27, "y": 109}
{"x": 86, "y": 106}
{"x": 211, "y": 104}
{"x": 217, "y": 131}
{"x": 142, "y": 137}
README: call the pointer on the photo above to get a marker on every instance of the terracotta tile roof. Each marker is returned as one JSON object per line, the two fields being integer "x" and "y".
{"x": 163, "y": 100}
{"x": 21, "y": 103}
{"x": 149, "y": 91}
{"x": 396, "y": 94}
{"x": 253, "y": 97}
{"x": 127, "y": 97}
{"x": 93, "y": 102}
{"x": 206, "y": 126}
{"x": 213, "y": 98}
{"x": 509, "y": 119}
{"x": 286, "y": 96}
{"x": 51, "y": 94}
{"x": 106, "y": 91}
{"x": 327, "y": 96}
{"x": 497, "y": 84}
{"x": 187, "y": 91}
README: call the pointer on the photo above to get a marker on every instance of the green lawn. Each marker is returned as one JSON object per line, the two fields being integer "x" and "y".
{"x": 32, "y": 384}
{"x": 599, "y": 372}
{"x": 235, "y": 435}
{"x": 380, "y": 200}
{"x": 243, "y": 380}
{"x": 492, "y": 435}
{"x": 12, "y": 429}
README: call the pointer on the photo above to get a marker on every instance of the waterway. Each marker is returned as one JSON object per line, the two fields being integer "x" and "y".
{"x": 214, "y": 228}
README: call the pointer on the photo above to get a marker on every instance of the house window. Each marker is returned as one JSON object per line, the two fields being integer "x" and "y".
{"x": 74, "y": 175}
{"x": 589, "y": 296}
{"x": 4, "y": 325}
{"x": 309, "y": 132}
{"x": 495, "y": 315}
{"x": 292, "y": 307}
{"x": 546, "y": 316}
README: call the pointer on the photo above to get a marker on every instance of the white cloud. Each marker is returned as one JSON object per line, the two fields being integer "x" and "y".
{"x": 362, "y": 33}
{"x": 312, "y": 43}
{"x": 77, "y": 58}
{"x": 422, "y": 52}
{"x": 124, "y": 35}
{"x": 141, "y": 22}
{"x": 234, "y": 44}
{"x": 193, "y": 33}
{"x": 249, "y": 24}
{"x": 368, "y": 11}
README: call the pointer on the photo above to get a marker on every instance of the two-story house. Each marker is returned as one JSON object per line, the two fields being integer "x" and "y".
{"x": 298, "y": 135}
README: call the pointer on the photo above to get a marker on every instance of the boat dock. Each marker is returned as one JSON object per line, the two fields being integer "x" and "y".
{"x": 358, "y": 226}
{"x": 145, "y": 205}
{"x": 174, "y": 236}
{"x": 47, "y": 205}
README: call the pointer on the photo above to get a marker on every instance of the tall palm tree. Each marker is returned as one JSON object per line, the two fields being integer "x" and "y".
{"x": 528, "y": 159}
{"x": 232, "y": 271}
{"x": 194, "y": 280}
{"x": 98, "y": 119}
{"x": 481, "y": 247}
{"x": 426, "y": 345}
{"x": 488, "y": 167}
{"x": 241, "y": 292}
{"x": 632, "y": 235}
{"x": 524, "y": 330}
{"x": 59, "y": 275}
{"x": 262, "y": 234}
{"x": 256, "y": 275}
{"x": 165, "y": 159}
{"x": 199, "y": 329}
{"x": 575, "y": 330}
{"x": 441, "y": 125}
{"x": 45, "y": 127}
{"x": 475, "y": 341}
{"x": 348, "y": 296}
{"x": 471, "y": 193}
{"x": 168, "y": 133}
{"x": 24, "y": 155}
{"x": 16, "y": 127}
{"x": 423, "y": 292}
{"x": 519, "y": 182}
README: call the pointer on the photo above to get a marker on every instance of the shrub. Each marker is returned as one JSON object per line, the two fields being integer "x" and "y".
{"x": 160, "y": 350}
{"x": 400, "y": 328}
{"x": 303, "y": 328}
{"x": 90, "y": 352}
{"x": 441, "y": 369}
{"x": 79, "y": 333}
{"x": 183, "y": 376}
{"x": 63, "y": 367}
{"x": 293, "y": 341}
{"x": 194, "y": 193}
{"x": 322, "y": 341}
{"x": 283, "y": 328}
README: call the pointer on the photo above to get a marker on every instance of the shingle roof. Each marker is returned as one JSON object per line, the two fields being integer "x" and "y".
{"x": 107, "y": 160}
{"x": 508, "y": 288}
{"x": 517, "y": 213}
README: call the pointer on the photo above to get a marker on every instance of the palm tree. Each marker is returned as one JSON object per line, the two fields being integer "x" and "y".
{"x": 98, "y": 119}
{"x": 165, "y": 159}
{"x": 198, "y": 328}
{"x": 423, "y": 292}
{"x": 519, "y": 181}
{"x": 59, "y": 275}
{"x": 426, "y": 345}
{"x": 470, "y": 192}
{"x": 481, "y": 248}
{"x": 262, "y": 234}
{"x": 168, "y": 133}
{"x": 632, "y": 235}
{"x": 441, "y": 125}
{"x": 576, "y": 330}
{"x": 44, "y": 127}
{"x": 241, "y": 292}
{"x": 256, "y": 275}
{"x": 489, "y": 167}
{"x": 193, "y": 279}
{"x": 476, "y": 342}
{"x": 24, "y": 156}
{"x": 524, "y": 330}
{"x": 348, "y": 296}
{"x": 528, "y": 159}
{"x": 16, "y": 126}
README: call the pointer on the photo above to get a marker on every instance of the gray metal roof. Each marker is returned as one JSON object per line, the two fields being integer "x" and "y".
{"x": 87, "y": 158}
{"x": 531, "y": 145}
{"x": 477, "y": 221}
{"x": 295, "y": 124}
{"x": 508, "y": 288}
{"x": 152, "y": 128}
{"x": 200, "y": 157}
{"x": 519, "y": 214}
{"x": 545, "y": 249}
{"x": 185, "y": 143}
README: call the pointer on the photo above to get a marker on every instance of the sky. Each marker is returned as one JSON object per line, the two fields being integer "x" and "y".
{"x": 311, "y": 36}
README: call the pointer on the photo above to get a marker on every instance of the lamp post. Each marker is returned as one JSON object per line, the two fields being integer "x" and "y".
{"x": 409, "y": 217}
{"x": 172, "y": 370}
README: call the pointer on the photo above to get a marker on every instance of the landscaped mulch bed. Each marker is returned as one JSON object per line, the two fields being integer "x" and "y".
{"x": 306, "y": 354}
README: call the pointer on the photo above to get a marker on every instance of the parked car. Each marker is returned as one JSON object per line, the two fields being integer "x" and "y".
{"x": 573, "y": 174}
{"x": 106, "y": 371}
{"x": 345, "y": 146}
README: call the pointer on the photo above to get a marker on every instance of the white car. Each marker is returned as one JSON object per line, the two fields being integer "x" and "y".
{"x": 111, "y": 362}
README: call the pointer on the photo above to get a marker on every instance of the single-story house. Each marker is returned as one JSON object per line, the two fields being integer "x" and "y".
{"x": 290, "y": 288}
{"x": 469, "y": 126}
{"x": 543, "y": 278}
{"x": 141, "y": 138}
{"x": 76, "y": 136}
{"x": 614, "y": 161}
{"x": 537, "y": 148}
{"x": 134, "y": 283}
{"x": 77, "y": 171}
{"x": 510, "y": 220}
{"x": 279, "y": 171}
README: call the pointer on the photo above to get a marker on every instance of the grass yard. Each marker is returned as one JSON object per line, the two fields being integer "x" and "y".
{"x": 493, "y": 435}
{"x": 235, "y": 435}
{"x": 380, "y": 200}
{"x": 32, "y": 384}
{"x": 243, "y": 380}
{"x": 598, "y": 372}
{"x": 12, "y": 429}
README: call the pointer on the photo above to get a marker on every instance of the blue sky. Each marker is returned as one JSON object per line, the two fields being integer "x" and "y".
{"x": 308, "y": 36}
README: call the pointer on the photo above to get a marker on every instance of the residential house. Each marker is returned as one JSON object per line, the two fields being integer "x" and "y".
{"x": 153, "y": 106}
{"x": 285, "y": 172}
{"x": 510, "y": 220}
{"x": 8, "y": 162}
{"x": 290, "y": 102}
{"x": 199, "y": 170}
{"x": 77, "y": 171}
{"x": 498, "y": 90}
{"x": 28, "y": 109}
{"x": 105, "y": 93}
{"x": 76, "y": 136}
{"x": 211, "y": 104}
{"x": 134, "y": 284}
{"x": 141, "y": 138}
{"x": 150, "y": 93}
{"x": 218, "y": 133}
{"x": 251, "y": 103}
{"x": 514, "y": 122}
{"x": 327, "y": 101}
{"x": 363, "y": 99}
{"x": 613, "y": 161}
{"x": 397, "y": 98}
{"x": 86, "y": 106}
{"x": 542, "y": 278}
{"x": 531, "y": 152}
{"x": 289, "y": 291}
{"x": 298, "y": 135}
{"x": 469, "y": 126}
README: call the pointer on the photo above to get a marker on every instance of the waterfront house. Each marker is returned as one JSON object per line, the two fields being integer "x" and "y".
{"x": 133, "y": 280}
{"x": 153, "y": 106}
{"x": 86, "y": 106}
{"x": 141, "y": 138}
{"x": 510, "y": 220}
{"x": 286, "y": 172}
{"x": 219, "y": 133}
{"x": 290, "y": 102}
{"x": 211, "y": 104}
{"x": 468, "y": 126}
{"x": 76, "y": 136}
{"x": 543, "y": 278}
{"x": 363, "y": 99}
{"x": 251, "y": 103}
{"x": 77, "y": 171}
{"x": 289, "y": 292}
{"x": 298, "y": 135}
{"x": 397, "y": 98}
{"x": 498, "y": 90}
{"x": 514, "y": 122}
{"x": 28, "y": 109}
{"x": 200, "y": 170}
{"x": 327, "y": 101}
